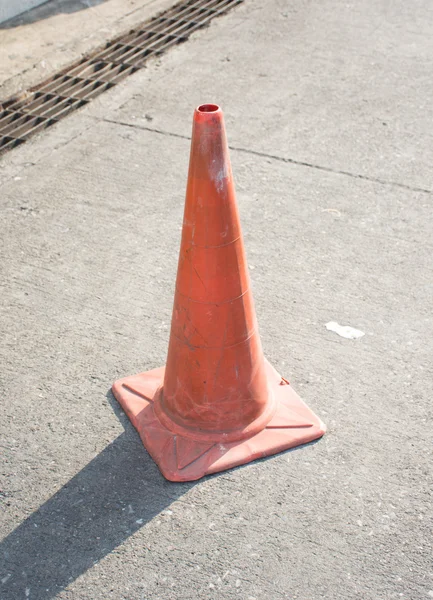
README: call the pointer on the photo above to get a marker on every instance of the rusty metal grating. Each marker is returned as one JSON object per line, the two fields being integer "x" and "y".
{"x": 47, "y": 103}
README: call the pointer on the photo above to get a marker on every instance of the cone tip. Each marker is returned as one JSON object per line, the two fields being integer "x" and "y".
{"x": 207, "y": 112}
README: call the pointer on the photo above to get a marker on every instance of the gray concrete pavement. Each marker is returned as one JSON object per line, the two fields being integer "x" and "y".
{"x": 50, "y": 37}
{"x": 91, "y": 223}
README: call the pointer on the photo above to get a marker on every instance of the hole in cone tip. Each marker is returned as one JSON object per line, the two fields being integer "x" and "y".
{"x": 208, "y": 108}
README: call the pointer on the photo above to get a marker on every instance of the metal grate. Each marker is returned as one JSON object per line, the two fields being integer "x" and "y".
{"x": 50, "y": 101}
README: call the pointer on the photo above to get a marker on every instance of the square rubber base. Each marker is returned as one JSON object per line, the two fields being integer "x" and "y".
{"x": 183, "y": 459}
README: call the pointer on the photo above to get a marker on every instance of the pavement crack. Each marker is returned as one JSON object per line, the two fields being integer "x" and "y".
{"x": 291, "y": 161}
{"x": 144, "y": 128}
{"x": 302, "y": 163}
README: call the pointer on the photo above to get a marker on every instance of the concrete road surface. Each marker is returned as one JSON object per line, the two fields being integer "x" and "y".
{"x": 329, "y": 114}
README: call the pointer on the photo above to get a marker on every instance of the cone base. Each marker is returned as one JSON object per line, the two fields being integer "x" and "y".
{"x": 184, "y": 459}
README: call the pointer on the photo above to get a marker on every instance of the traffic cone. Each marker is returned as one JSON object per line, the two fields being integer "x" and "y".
{"x": 217, "y": 403}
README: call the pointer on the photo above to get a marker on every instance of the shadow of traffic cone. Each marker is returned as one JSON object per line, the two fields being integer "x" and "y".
{"x": 217, "y": 403}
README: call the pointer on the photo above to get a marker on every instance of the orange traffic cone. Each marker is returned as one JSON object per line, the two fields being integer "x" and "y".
{"x": 218, "y": 403}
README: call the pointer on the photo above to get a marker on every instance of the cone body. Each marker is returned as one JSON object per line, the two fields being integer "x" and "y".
{"x": 215, "y": 381}
{"x": 217, "y": 403}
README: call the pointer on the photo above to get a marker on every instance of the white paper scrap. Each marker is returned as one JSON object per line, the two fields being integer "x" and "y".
{"x": 345, "y": 331}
